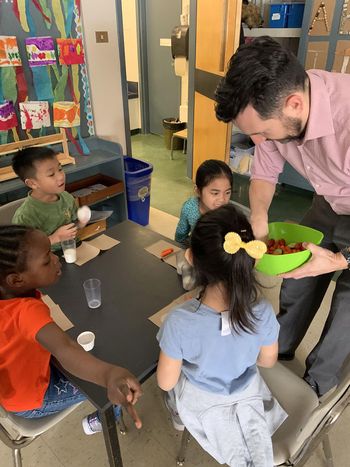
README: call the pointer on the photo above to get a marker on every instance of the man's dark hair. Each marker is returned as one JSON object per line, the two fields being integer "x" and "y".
{"x": 260, "y": 74}
{"x": 23, "y": 162}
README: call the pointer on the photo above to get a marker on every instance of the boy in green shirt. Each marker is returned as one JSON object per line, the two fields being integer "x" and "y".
{"x": 48, "y": 207}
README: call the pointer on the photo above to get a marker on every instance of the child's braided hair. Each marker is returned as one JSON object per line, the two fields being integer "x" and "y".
{"x": 13, "y": 249}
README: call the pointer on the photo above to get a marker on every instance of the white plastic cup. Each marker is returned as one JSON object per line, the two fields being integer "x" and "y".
{"x": 92, "y": 289}
{"x": 69, "y": 250}
{"x": 86, "y": 340}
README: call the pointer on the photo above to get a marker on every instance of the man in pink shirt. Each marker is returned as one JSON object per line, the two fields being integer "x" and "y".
{"x": 302, "y": 118}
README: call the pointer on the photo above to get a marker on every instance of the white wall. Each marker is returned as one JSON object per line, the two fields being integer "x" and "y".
{"x": 131, "y": 57}
{"x": 130, "y": 40}
{"x": 104, "y": 70}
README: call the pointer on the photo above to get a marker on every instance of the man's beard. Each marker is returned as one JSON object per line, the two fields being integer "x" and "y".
{"x": 294, "y": 129}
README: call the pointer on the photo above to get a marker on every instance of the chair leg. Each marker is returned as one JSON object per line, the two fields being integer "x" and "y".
{"x": 185, "y": 439}
{"x": 327, "y": 451}
{"x": 17, "y": 458}
{"x": 121, "y": 424}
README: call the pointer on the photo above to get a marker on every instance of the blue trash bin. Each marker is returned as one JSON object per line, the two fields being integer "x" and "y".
{"x": 138, "y": 189}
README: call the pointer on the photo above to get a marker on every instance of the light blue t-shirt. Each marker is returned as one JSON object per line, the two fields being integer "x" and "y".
{"x": 216, "y": 363}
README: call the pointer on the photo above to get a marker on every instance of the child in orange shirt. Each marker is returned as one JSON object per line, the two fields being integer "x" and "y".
{"x": 30, "y": 386}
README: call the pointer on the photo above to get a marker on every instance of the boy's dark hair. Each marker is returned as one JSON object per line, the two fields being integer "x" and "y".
{"x": 212, "y": 265}
{"x": 13, "y": 249}
{"x": 211, "y": 169}
{"x": 260, "y": 74}
{"x": 23, "y": 162}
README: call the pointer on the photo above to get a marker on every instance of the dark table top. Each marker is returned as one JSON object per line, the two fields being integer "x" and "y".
{"x": 135, "y": 285}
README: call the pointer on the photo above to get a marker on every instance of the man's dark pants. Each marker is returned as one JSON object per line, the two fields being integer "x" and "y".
{"x": 300, "y": 300}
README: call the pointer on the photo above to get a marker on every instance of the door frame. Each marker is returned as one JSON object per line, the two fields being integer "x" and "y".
{"x": 143, "y": 70}
{"x": 124, "y": 84}
{"x": 143, "y": 83}
{"x": 191, "y": 76}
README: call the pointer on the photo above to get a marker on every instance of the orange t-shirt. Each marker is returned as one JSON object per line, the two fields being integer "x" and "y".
{"x": 24, "y": 363}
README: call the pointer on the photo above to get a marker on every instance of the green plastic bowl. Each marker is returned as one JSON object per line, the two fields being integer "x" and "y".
{"x": 292, "y": 233}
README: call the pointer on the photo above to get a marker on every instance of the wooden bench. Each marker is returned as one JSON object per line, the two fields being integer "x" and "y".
{"x": 6, "y": 173}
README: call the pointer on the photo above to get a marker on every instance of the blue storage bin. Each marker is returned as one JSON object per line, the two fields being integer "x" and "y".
{"x": 138, "y": 189}
{"x": 286, "y": 15}
{"x": 295, "y": 15}
{"x": 278, "y": 15}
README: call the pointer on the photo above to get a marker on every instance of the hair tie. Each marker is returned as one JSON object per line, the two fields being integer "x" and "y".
{"x": 254, "y": 248}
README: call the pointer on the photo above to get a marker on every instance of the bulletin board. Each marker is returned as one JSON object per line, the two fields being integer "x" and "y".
{"x": 44, "y": 84}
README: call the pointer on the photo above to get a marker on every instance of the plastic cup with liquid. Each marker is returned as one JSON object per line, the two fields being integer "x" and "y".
{"x": 69, "y": 250}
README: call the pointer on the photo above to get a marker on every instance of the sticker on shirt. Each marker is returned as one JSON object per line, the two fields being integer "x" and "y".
{"x": 226, "y": 328}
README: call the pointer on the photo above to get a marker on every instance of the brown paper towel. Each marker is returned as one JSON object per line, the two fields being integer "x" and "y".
{"x": 180, "y": 66}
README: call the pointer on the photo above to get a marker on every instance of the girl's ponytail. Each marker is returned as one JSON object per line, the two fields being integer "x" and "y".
{"x": 234, "y": 272}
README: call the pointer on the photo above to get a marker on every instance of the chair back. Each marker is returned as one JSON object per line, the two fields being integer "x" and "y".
{"x": 309, "y": 419}
{"x": 8, "y": 210}
{"x": 330, "y": 407}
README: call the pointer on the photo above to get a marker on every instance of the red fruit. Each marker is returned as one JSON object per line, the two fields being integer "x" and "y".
{"x": 270, "y": 243}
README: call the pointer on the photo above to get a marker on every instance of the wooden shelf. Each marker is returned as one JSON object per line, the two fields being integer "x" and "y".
{"x": 273, "y": 32}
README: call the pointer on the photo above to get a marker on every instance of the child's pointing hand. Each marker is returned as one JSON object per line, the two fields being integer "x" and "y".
{"x": 123, "y": 388}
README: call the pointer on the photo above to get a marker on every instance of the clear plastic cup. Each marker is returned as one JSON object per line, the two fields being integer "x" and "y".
{"x": 69, "y": 250}
{"x": 92, "y": 289}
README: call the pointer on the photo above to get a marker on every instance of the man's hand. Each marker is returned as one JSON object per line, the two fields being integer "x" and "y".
{"x": 260, "y": 196}
{"x": 66, "y": 232}
{"x": 260, "y": 227}
{"x": 322, "y": 261}
{"x": 123, "y": 388}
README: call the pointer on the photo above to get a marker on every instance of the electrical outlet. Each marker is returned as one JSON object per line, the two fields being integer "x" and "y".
{"x": 101, "y": 36}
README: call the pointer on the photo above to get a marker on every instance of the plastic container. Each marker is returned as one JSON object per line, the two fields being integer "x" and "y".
{"x": 286, "y": 15}
{"x": 278, "y": 15}
{"x": 295, "y": 15}
{"x": 292, "y": 233}
{"x": 138, "y": 189}
{"x": 172, "y": 125}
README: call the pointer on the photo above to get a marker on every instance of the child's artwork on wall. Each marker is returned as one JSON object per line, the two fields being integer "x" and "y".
{"x": 344, "y": 26}
{"x": 34, "y": 114}
{"x": 9, "y": 53}
{"x": 66, "y": 114}
{"x": 322, "y": 18}
{"x": 70, "y": 51}
{"x": 8, "y": 119}
{"x": 40, "y": 51}
{"x": 341, "y": 62}
{"x": 317, "y": 53}
{"x": 52, "y": 72}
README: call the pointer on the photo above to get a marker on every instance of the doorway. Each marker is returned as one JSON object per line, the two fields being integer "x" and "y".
{"x": 147, "y": 26}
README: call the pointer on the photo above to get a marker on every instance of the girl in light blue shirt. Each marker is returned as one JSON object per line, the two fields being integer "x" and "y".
{"x": 210, "y": 347}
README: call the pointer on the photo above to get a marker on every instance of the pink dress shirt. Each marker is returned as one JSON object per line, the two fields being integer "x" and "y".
{"x": 323, "y": 156}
